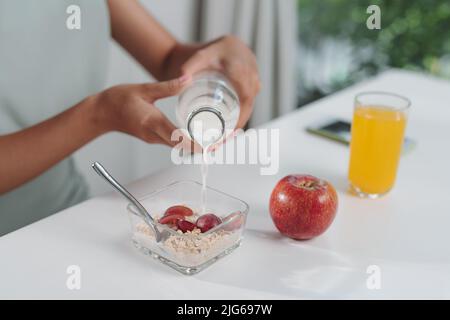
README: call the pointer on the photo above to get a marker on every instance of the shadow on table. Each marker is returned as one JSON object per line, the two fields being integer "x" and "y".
{"x": 271, "y": 235}
{"x": 271, "y": 263}
{"x": 339, "y": 181}
{"x": 266, "y": 262}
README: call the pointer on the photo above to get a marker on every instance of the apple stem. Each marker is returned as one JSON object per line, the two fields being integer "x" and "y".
{"x": 308, "y": 184}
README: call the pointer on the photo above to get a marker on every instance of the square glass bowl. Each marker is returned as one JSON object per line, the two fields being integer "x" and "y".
{"x": 189, "y": 253}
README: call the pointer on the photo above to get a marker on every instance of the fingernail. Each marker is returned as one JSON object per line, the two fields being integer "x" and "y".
{"x": 184, "y": 78}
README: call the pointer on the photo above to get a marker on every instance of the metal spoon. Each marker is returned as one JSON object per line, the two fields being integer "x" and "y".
{"x": 102, "y": 172}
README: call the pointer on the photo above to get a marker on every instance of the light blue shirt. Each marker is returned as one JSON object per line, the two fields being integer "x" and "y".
{"x": 45, "y": 68}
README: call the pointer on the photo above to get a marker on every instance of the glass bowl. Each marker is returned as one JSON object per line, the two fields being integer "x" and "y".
{"x": 189, "y": 252}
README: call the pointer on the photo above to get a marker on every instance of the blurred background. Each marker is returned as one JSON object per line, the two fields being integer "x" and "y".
{"x": 306, "y": 50}
{"x": 336, "y": 50}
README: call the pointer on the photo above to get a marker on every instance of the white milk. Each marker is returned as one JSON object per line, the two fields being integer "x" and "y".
{"x": 206, "y": 109}
{"x": 204, "y": 171}
{"x": 206, "y": 129}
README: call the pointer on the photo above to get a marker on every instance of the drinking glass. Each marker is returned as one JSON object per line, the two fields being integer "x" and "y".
{"x": 377, "y": 135}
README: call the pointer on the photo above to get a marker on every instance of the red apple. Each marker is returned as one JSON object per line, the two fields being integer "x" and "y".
{"x": 303, "y": 206}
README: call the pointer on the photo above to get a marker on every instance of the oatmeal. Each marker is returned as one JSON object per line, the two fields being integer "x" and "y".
{"x": 190, "y": 248}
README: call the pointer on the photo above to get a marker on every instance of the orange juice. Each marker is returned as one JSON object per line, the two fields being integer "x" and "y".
{"x": 376, "y": 143}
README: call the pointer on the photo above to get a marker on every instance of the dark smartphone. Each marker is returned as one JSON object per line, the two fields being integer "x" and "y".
{"x": 340, "y": 131}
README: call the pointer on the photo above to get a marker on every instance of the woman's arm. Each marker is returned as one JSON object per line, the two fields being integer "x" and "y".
{"x": 127, "y": 108}
{"x": 146, "y": 40}
{"x": 27, "y": 153}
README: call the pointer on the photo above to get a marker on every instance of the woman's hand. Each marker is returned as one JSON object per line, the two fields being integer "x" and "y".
{"x": 232, "y": 57}
{"x": 127, "y": 108}
{"x": 136, "y": 30}
{"x": 130, "y": 109}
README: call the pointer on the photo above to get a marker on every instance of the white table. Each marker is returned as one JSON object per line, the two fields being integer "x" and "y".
{"x": 406, "y": 234}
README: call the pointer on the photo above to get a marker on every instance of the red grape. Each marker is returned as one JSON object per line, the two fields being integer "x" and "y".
{"x": 185, "y": 225}
{"x": 207, "y": 222}
{"x": 171, "y": 219}
{"x": 179, "y": 210}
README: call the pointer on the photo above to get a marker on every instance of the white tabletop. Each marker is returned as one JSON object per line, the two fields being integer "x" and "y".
{"x": 406, "y": 233}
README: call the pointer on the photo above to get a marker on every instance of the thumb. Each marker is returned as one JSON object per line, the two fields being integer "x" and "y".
{"x": 166, "y": 88}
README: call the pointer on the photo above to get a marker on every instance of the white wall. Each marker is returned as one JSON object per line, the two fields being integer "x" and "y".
{"x": 126, "y": 157}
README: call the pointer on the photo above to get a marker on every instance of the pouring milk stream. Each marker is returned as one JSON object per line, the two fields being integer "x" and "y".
{"x": 208, "y": 108}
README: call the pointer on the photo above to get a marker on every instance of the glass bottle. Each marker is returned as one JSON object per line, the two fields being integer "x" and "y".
{"x": 208, "y": 108}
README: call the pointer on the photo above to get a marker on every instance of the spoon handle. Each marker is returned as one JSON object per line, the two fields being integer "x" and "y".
{"x": 102, "y": 172}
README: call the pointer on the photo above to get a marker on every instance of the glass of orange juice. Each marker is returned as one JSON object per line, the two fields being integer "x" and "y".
{"x": 379, "y": 121}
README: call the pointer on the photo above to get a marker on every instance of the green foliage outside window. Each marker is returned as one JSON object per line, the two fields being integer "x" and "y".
{"x": 414, "y": 35}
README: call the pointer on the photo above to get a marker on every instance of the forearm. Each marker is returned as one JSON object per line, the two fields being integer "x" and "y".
{"x": 141, "y": 35}
{"x": 147, "y": 40}
{"x": 28, "y": 153}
